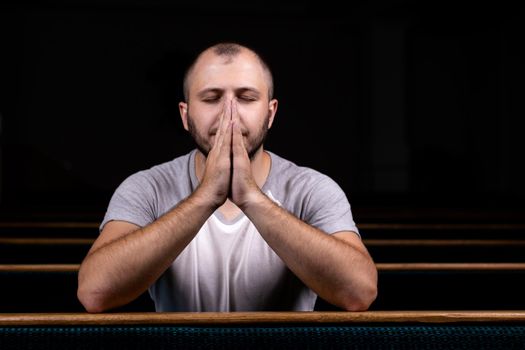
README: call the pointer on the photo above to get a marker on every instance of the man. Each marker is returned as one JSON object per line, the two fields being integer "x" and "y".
{"x": 229, "y": 226}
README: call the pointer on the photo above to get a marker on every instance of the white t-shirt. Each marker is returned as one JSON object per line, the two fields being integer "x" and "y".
{"x": 228, "y": 266}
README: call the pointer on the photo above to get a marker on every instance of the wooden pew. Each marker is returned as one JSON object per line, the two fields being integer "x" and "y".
{"x": 45, "y": 242}
{"x": 73, "y": 250}
{"x": 445, "y": 242}
{"x": 48, "y": 288}
{"x": 45, "y": 229}
{"x": 62, "y": 242}
{"x": 37, "y": 250}
{"x": 418, "y": 268}
{"x": 441, "y": 286}
{"x": 266, "y": 330}
{"x": 416, "y": 286}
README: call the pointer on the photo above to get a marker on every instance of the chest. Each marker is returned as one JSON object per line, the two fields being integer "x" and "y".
{"x": 233, "y": 255}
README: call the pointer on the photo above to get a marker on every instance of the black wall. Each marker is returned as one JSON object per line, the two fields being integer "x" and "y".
{"x": 403, "y": 104}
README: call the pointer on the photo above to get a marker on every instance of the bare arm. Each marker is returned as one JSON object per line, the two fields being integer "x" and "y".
{"x": 123, "y": 264}
{"x": 337, "y": 267}
{"x": 125, "y": 260}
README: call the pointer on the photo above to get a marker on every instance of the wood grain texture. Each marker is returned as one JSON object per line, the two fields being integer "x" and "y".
{"x": 368, "y": 242}
{"x": 380, "y": 267}
{"x": 254, "y": 318}
{"x": 361, "y": 226}
{"x": 450, "y": 266}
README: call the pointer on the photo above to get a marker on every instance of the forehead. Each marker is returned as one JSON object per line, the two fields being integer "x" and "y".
{"x": 227, "y": 72}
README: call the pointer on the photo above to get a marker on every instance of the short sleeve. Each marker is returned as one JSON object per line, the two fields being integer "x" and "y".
{"x": 133, "y": 201}
{"x": 328, "y": 209}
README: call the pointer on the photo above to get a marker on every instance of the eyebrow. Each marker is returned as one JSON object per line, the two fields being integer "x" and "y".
{"x": 209, "y": 90}
{"x": 219, "y": 91}
{"x": 248, "y": 89}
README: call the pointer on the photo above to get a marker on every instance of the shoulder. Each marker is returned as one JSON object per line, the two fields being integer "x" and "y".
{"x": 311, "y": 196}
{"x": 297, "y": 175}
{"x": 160, "y": 178}
{"x": 296, "y": 187}
{"x": 164, "y": 171}
{"x": 147, "y": 194}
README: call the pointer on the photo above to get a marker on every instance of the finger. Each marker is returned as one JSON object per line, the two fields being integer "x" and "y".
{"x": 236, "y": 123}
{"x": 219, "y": 130}
{"x": 235, "y": 113}
{"x": 239, "y": 150}
{"x": 238, "y": 138}
{"x": 223, "y": 124}
{"x": 227, "y": 141}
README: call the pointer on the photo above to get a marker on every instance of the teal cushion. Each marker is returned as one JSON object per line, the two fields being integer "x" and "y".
{"x": 289, "y": 337}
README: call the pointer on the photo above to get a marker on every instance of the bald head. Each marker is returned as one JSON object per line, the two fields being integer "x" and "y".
{"x": 228, "y": 52}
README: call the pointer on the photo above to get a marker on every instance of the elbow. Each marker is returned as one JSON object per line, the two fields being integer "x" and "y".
{"x": 97, "y": 300}
{"x": 90, "y": 301}
{"x": 362, "y": 300}
{"x": 93, "y": 308}
{"x": 91, "y": 297}
{"x": 361, "y": 304}
{"x": 93, "y": 300}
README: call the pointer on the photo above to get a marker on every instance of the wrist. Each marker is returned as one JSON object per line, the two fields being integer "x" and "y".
{"x": 205, "y": 199}
{"x": 253, "y": 201}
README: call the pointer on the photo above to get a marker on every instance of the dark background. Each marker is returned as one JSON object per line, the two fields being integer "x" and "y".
{"x": 405, "y": 105}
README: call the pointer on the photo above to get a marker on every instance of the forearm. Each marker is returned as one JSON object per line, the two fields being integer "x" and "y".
{"x": 121, "y": 270}
{"x": 339, "y": 272}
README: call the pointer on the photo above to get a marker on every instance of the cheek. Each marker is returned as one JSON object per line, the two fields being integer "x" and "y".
{"x": 250, "y": 108}
{"x": 253, "y": 115}
{"x": 203, "y": 121}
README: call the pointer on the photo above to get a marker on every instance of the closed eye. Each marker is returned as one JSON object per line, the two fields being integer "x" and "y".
{"x": 248, "y": 98}
{"x": 213, "y": 99}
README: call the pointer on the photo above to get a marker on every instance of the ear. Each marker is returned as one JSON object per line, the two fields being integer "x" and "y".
{"x": 183, "y": 110}
{"x": 272, "y": 109}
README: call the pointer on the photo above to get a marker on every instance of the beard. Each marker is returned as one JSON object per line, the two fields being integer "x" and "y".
{"x": 252, "y": 143}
